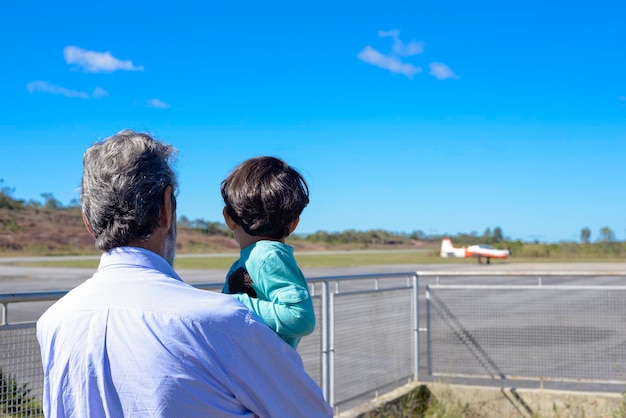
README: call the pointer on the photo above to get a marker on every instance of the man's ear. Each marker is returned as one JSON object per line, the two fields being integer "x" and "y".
{"x": 232, "y": 225}
{"x": 89, "y": 229}
{"x": 293, "y": 225}
{"x": 168, "y": 209}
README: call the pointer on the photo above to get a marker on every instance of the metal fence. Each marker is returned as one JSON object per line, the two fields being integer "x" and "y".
{"x": 367, "y": 342}
{"x": 555, "y": 332}
{"x": 364, "y": 344}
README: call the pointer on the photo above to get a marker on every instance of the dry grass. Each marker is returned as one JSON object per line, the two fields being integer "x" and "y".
{"x": 41, "y": 232}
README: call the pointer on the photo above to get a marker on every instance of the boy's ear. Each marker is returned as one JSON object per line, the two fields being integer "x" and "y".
{"x": 229, "y": 221}
{"x": 293, "y": 225}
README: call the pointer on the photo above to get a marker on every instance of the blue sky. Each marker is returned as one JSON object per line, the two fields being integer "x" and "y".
{"x": 443, "y": 117}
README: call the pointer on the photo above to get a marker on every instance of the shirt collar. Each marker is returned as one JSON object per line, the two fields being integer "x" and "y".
{"x": 136, "y": 256}
{"x": 265, "y": 243}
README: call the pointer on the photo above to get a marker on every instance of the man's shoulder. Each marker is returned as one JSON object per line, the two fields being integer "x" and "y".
{"x": 210, "y": 305}
{"x": 197, "y": 304}
{"x": 199, "y": 315}
{"x": 151, "y": 292}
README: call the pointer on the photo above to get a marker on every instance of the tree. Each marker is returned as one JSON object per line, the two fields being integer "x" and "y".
{"x": 418, "y": 235}
{"x": 607, "y": 234}
{"x": 50, "y": 202}
{"x": 487, "y": 235}
{"x": 585, "y": 235}
{"x": 497, "y": 235}
{"x": 6, "y": 201}
{"x": 184, "y": 222}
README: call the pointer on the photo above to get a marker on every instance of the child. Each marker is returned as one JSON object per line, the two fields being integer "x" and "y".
{"x": 263, "y": 199}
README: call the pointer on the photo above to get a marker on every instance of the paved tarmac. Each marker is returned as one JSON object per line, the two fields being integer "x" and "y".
{"x": 18, "y": 279}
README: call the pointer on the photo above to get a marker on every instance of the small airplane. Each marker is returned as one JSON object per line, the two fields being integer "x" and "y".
{"x": 480, "y": 251}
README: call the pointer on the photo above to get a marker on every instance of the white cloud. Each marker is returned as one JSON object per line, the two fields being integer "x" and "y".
{"x": 159, "y": 104}
{"x": 388, "y": 62}
{"x": 414, "y": 48}
{"x": 39, "y": 86}
{"x": 399, "y": 48}
{"x": 45, "y": 87}
{"x": 96, "y": 62}
{"x": 394, "y": 33}
{"x": 441, "y": 71}
{"x": 99, "y": 92}
{"x": 393, "y": 60}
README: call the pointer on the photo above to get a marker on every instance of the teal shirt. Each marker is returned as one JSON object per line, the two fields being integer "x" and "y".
{"x": 283, "y": 301}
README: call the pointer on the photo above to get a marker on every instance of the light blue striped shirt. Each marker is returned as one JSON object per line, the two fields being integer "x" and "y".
{"x": 136, "y": 341}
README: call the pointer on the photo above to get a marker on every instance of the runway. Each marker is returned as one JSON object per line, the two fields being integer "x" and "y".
{"x": 18, "y": 279}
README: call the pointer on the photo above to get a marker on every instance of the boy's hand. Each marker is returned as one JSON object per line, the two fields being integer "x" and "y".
{"x": 241, "y": 282}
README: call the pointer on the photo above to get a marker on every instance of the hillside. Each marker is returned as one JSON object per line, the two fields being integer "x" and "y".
{"x": 35, "y": 230}
{"x": 40, "y": 231}
{"x": 44, "y": 231}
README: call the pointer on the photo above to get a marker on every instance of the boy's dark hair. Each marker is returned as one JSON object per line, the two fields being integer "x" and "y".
{"x": 264, "y": 196}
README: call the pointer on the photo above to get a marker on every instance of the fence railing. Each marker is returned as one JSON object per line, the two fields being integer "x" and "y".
{"x": 353, "y": 354}
{"x": 367, "y": 339}
{"x": 564, "y": 327}
{"x": 481, "y": 324}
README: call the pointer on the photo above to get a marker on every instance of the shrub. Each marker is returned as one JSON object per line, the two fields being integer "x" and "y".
{"x": 15, "y": 399}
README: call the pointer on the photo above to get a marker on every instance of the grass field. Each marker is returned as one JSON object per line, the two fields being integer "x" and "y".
{"x": 321, "y": 259}
{"x": 331, "y": 259}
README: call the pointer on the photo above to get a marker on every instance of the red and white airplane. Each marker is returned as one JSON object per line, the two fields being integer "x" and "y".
{"x": 480, "y": 251}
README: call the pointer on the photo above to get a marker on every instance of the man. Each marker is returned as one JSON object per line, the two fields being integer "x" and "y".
{"x": 134, "y": 340}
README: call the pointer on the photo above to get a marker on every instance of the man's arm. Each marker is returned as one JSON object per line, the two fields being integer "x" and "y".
{"x": 270, "y": 379}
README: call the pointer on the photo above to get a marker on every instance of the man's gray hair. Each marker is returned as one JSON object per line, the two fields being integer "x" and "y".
{"x": 124, "y": 181}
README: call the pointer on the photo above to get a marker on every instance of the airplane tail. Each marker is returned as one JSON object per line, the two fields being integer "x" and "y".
{"x": 449, "y": 250}
{"x": 446, "y": 247}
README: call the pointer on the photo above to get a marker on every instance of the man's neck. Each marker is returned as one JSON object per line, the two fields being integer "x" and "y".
{"x": 154, "y": 243}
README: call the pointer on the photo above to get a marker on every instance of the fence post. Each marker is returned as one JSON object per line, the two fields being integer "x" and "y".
{"x": 325, "y": 333}
{"x": 416, "y": 328}
{"x": 428, "y": 353}
{"x": 331, "y": 349}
